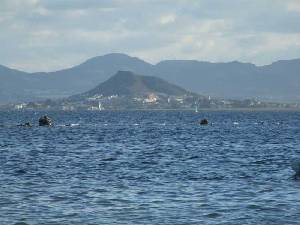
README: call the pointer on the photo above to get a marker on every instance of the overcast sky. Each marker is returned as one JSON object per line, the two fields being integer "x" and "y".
{"x": 45, "y": 35}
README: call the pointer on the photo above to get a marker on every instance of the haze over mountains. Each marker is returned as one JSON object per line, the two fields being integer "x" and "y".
{"x": 279, "y": 81}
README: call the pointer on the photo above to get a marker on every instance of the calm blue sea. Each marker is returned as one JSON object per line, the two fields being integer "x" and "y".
{"x": 149, "y": 168}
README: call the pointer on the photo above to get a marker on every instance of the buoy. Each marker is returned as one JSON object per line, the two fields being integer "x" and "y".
{"x": 45, "y": 121}
{"x": 204, "y": 122}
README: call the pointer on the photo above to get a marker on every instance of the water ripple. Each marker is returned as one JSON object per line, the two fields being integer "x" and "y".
{"x": 149, "y": 168}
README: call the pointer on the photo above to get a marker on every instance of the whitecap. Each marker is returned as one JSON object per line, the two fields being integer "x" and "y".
{"x": 74, "y": 124}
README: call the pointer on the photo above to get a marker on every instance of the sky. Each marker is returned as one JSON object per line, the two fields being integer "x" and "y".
{"x": 48, "y": 35}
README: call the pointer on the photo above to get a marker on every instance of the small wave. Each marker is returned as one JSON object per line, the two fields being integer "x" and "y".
{"x": 193, "y": 157}
{"x": 109, "y": 159}
{"x": 74, "y": 124}
{"x": 253, "y": 206}
{"x": 20, "y": 171}
{"x": 68, "y": 125}
{"x": 213, "y": 215}
{"x": 21, "y": 223}
{"x": 14, "y": 125}
{"x": 295, "y": 164}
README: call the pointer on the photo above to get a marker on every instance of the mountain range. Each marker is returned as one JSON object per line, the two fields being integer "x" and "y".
{"x": 130, "y": 91}
{"x": 279, "y": 81}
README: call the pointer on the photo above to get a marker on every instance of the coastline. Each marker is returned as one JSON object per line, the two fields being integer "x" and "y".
{"x": 157, "y": 110}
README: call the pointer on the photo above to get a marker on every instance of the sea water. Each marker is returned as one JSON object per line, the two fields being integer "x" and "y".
{"x": 144, "y": 167}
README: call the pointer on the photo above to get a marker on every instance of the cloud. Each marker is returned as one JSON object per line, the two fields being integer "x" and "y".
{"x": 50, "y": 34}
{"x": 293, "y": 6}
{"x": 166, "y": 19}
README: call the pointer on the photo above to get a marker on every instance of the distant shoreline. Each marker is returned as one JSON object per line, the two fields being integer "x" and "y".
{"x": 156, "y": 110}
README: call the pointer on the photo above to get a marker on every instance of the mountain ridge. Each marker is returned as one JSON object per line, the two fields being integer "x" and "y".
{"x": 278, "y": 81}
{"x": 165, "y": 60}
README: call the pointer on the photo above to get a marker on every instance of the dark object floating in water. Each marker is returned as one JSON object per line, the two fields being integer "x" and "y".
{"x": 21, "y": 223}
{"x": 27, "y": 124}
{"x": 296, "y": 167}
{"x": 204, "y": 122}
{"x": 45, "y": 121}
